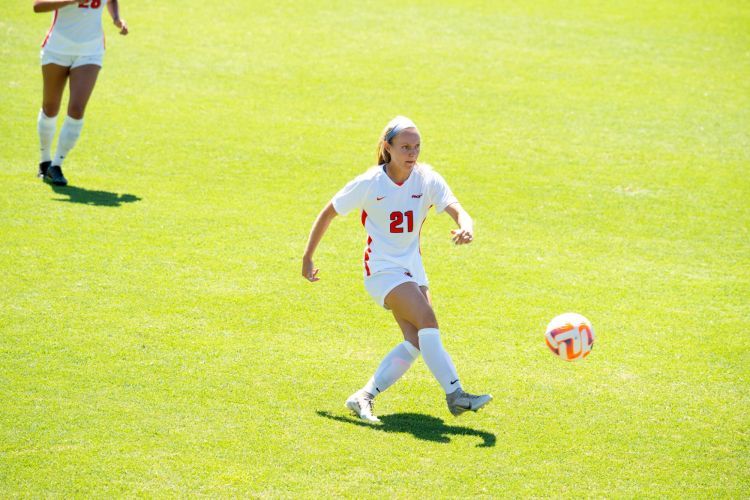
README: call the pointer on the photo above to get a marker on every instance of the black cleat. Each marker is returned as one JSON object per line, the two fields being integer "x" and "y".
{"x": 43, "y": 169}
{"x": 55, "y": 176}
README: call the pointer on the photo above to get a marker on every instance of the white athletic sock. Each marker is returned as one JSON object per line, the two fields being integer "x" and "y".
{"x": 438, "y": 360}
{"x": 46, "y": 126}
{"x": 69, "y": 133}
{"x": 393, "y": 366}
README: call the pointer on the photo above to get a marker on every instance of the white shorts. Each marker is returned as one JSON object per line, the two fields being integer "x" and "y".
{"x": 380, "y": 284}
{"x": 69, "y": 61}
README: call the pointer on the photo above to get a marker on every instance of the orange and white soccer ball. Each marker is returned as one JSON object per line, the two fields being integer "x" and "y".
{"x": 570, "y": 336}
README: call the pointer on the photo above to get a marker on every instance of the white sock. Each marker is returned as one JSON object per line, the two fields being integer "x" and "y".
{"x": 393, "y": 366}
{"x": 69, "y": 133}
{"x": 438, "y": 360}
{"x": 46, "y": 126}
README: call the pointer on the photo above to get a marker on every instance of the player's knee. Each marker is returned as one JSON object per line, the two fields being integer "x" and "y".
{"x": 76, "y": 111}
{"x": 427, "y": 320}
{"x": 51, "y": 109}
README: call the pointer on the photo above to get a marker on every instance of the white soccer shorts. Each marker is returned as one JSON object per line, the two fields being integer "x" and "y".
{"x": 380, "y": 284}
{"x": 69, "y": 61}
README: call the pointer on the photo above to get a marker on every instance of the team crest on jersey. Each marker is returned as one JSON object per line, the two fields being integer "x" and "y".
{"x": 416, "y": 195}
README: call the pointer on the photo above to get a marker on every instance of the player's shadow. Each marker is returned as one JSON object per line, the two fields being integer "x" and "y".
{"x": 421, "y": 426}
{"x": 89, "y": 197}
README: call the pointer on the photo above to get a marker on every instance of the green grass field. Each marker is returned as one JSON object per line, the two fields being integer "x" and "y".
{"x": 157, "y": 339}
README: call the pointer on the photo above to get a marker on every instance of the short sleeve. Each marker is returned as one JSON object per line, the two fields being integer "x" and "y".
{"x": 351, "y": 196}
{"x": 440, "y": 194}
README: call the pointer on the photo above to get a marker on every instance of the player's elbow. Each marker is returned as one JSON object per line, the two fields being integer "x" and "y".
{"x": 329, "y": 212}
{"x": 40, "y": 6}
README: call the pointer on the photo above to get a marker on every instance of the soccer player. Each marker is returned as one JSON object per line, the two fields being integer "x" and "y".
{"x": 73, "y": 49}
{"x": 394, "y": 198}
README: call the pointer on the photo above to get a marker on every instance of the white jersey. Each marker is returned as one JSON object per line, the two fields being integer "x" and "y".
{"x": 77, "y": 29}
{"x": 393, "y": 214}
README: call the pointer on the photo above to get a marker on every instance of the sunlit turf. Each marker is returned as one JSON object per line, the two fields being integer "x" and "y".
{"x": 156, "y": 337}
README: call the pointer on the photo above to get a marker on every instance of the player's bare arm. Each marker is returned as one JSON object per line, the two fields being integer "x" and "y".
{"x": 316, "y": 234}
{"x": 465, "y": 232}
{"x": 114, "y": 11}
{"x": 50, "y": 5}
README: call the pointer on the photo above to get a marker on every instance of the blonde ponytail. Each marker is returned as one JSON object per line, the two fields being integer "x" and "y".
{"x": 383, "y": 155}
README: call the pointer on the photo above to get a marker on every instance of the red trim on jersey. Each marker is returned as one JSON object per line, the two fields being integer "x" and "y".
{"x": 367, "y": 254}
{"x": 367, "y": 249}
{"x": 419, "y": 237}
{"x": 49, "y": 31}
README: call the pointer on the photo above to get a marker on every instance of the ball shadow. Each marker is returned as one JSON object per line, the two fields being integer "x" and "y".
{"x": 420, "y": 426}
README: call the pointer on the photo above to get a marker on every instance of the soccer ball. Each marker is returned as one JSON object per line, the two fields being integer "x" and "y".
{"x": 570, "y": 336}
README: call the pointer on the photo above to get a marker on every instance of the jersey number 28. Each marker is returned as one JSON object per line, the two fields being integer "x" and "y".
{"x": 397, "y": 221}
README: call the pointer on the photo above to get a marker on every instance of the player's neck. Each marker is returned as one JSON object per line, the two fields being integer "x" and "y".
{"x": 396, "y": 174}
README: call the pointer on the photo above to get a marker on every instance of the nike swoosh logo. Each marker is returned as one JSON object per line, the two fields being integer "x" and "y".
{"x": 454, "y": 381}
{"x": 379, "y": 198}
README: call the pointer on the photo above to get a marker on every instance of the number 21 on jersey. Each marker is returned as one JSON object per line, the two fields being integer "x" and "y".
{"x": 397, "y": 221}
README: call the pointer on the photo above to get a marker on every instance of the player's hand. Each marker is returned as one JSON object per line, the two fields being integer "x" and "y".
{"x": 462, "y": 236}
{"x": 123, "y": 25}
{"x": 308, "y": 270}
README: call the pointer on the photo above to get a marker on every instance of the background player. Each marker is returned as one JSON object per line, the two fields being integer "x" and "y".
{"x": 73, "y": 49}
{"x": 394, "y": 198}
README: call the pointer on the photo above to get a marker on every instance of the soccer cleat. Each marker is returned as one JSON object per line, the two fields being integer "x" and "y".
{"x": 43, "y": 166}
{"x": 460, "y": 401}
{"x": 361, "y": 404}
{"x": 55, "y": 176}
